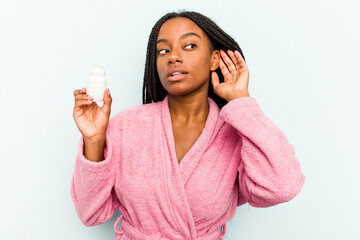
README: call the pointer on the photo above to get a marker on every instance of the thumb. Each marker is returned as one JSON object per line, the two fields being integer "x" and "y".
{"x": 215, "y": 80}
{"x": 107, "y": 102}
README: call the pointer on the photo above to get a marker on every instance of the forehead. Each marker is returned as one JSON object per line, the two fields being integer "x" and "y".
{"x": 175, "y": 27}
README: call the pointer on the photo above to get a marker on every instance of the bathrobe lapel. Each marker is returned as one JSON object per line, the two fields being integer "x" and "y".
{"x": 177, "y": 174}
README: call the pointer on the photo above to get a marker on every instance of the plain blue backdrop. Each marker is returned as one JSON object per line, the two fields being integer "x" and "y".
{"x": 303, "y": 58}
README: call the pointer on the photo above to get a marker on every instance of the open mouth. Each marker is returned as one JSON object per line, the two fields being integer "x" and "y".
{"x": 177, "y": 73}
{"x": 176, "y": 76}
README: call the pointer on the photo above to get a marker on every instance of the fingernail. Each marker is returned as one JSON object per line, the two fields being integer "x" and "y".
{"x": 108, "y": 92}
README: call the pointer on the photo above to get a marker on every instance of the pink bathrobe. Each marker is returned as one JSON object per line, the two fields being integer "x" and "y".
{"x": 240, "y": 156}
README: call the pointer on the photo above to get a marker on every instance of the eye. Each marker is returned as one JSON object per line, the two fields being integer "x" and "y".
{"x": 191, "y": 44}
{"x": 159, "y": 51}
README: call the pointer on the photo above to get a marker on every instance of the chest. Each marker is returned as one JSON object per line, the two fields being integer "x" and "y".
{"x": 148, "y": 176}
{"x": 185, "y": 137}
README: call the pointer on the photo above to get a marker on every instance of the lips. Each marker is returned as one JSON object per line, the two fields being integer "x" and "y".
{"x": 176, "y": 77}
{"x": 173, "y": 70}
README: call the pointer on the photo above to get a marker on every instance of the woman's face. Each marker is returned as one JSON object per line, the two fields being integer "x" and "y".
{"x": 183, "y": 46}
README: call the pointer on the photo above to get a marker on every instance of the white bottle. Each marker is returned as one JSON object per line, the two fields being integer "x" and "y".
{"x": 97, "y": 83}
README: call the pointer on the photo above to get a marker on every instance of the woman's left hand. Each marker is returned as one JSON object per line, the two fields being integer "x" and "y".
{"x": 236, "y": 77}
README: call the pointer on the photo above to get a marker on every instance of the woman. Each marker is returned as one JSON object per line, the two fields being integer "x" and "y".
{"x": 178, "y": 166}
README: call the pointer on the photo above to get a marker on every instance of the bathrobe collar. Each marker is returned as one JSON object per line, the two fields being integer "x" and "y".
{"x": 177, "y": 175}
{"x": 189, "y": 162}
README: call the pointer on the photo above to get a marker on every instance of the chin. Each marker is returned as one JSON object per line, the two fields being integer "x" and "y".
{"x": 178, "y": 92}
{"x": 179, "y": 89}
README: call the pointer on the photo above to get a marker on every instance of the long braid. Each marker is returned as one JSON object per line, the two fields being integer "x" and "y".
{"x": 153, "y": 90}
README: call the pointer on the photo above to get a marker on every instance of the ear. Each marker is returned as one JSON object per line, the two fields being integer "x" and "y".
{"x": 215, "y": 60}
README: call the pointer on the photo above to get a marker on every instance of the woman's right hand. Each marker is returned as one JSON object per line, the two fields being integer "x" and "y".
{"x": 91, "y": 120}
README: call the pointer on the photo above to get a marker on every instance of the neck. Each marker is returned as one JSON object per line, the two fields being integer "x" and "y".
{"x": 189, "y": 110}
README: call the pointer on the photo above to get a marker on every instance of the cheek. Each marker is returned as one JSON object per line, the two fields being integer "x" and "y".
{"x": 161, "y": 63}
{"x": 159, "y": 69}
{"x": 203, "y": 65}
{"x": 203, "y": 60}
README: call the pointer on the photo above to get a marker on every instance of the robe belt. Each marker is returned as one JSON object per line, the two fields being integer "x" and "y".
{"x": 138, "y": 235}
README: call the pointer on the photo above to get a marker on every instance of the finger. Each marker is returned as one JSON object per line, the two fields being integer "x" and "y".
{"x": 228, "y": 61}
{"x": 106, "y": 107}
{"x": 80, "y": 97}
{"x": 79, "y": 91}
{"x": 240, "y": 59}
{"x": 76, "y": 91}
{"x": 83, "y": 90}
{"x": 234, "y": 59}
{"x": 215, "y": 80}
{"x": 81, "y": 103}
{"x": 83, "y": 96}
{"x": 223, "y": 67}
{"x": 224, "y": 70}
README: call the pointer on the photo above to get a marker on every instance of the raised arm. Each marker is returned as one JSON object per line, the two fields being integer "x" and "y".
{"x": 92, "y": 184}
{"x": 269, "y": 172}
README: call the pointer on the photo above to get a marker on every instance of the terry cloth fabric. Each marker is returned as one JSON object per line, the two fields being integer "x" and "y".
{"x": 240, "y": 157}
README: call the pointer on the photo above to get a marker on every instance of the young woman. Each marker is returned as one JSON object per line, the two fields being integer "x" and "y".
{"x": 178, "y": 165}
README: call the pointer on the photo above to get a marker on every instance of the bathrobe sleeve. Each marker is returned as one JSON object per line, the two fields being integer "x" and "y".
{"x": 269, "y": 172}
{"x": 92, "y": 184}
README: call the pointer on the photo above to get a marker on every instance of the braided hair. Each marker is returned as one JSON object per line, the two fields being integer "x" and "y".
{"x": 153, "y": 90}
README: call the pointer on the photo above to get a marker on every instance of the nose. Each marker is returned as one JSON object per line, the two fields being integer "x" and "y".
{"x": 174, "y": 57}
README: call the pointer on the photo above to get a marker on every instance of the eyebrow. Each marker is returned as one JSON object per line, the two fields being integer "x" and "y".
{"x": 182, "y": 36}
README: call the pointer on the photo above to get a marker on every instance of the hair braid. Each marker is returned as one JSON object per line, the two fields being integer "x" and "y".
{"x": 153, "y": 90}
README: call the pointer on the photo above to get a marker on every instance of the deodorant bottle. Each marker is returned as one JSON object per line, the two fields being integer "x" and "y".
{"x": 97, "y": 83}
